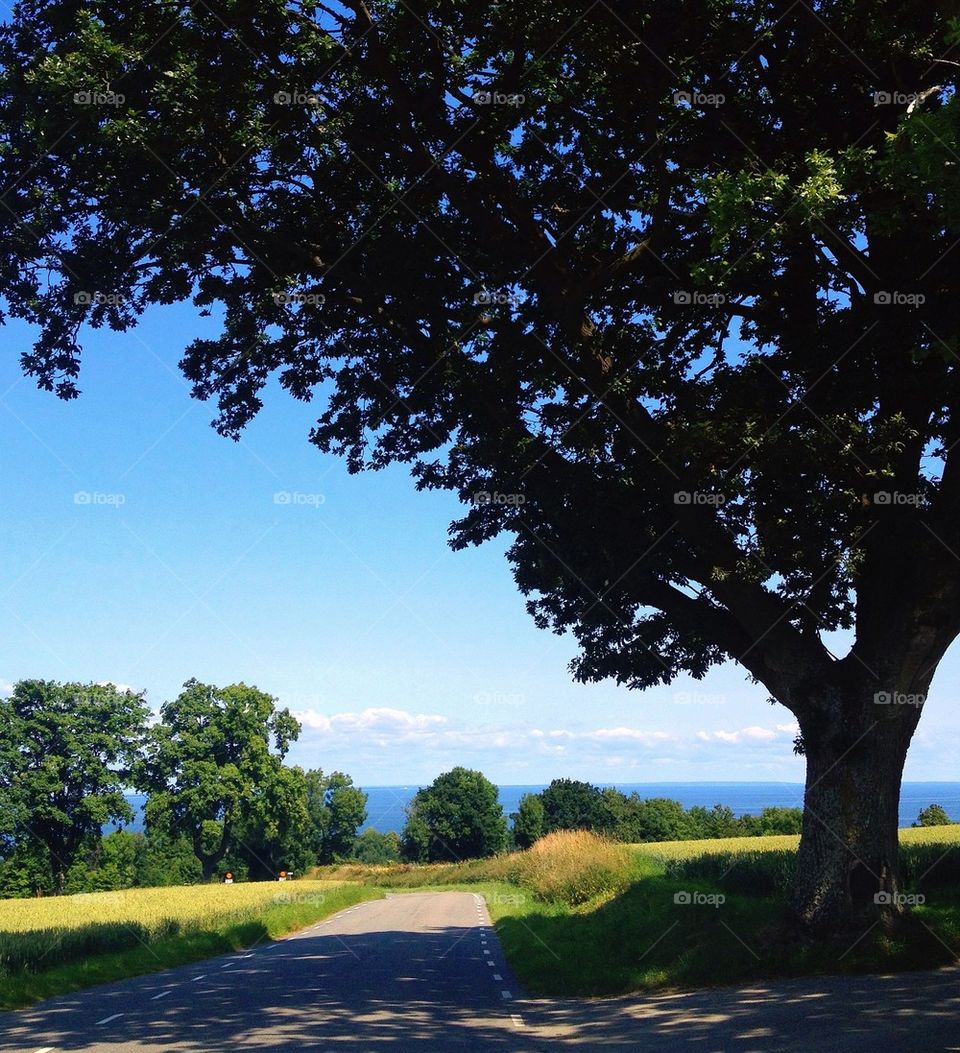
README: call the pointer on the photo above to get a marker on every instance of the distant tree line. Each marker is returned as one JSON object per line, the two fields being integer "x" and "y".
{"x": 568, "y": 804}
{"x": 219, "y": 795}
{"x": 459, "y": 816}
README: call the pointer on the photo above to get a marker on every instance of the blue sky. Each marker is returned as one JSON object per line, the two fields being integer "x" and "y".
{"x": 401, "y": 657}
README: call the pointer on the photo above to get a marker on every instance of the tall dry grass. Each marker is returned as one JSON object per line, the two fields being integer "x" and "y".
{"x": 573, "y": 867}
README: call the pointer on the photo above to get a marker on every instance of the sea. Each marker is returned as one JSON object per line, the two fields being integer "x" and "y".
{"x": 386, "y": 805}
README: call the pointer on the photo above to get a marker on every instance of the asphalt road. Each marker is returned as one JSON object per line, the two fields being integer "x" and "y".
{"x": 425, "y": 971}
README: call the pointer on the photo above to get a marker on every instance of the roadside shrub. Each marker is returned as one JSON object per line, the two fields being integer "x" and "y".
{"x": 572, "y": 866}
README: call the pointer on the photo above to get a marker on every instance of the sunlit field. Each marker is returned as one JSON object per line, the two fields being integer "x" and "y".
{"x": 153, "y": 925}
{"x": 919, "y": 835}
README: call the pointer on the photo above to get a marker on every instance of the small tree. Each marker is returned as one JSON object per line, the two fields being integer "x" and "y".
{"x": 66, "y": 751}
{"x": 336, "y": 810}
{"x": 933, "y": 815}
{"x": 459, "y": 816}
{"x": 375, "y": 848}
{"x": 527, "y": 820}
{"x": 718, "y": 821}
{"x": 214, "y": 764}
{"x": 569, "y": 804}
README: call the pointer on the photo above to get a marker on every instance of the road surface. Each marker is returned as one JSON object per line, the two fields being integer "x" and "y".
{"x": 425, "y": 972}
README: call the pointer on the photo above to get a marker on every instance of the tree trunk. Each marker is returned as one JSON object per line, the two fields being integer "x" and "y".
{"x": 847, "y": 865}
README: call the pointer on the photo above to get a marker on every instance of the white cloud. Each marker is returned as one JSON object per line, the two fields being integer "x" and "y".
{"x": 6, "y": 688}
{"x": 119, "y": 687}
{"x": 751, "y": 734}
{"x": 374, "y": 720}
{"x": 373, "y": 734}
{"x": 645, "y": 738}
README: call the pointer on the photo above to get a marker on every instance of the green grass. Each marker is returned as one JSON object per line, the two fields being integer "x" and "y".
{"x": 633, "y": 936}
{"x": 50, "y": 976}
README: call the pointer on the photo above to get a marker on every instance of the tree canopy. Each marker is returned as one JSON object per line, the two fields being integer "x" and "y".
{"x": 665, "y": 292}
{"x": 66, "y": 753}
{"x": 458, "y": 816}
{"x": 336, "y": 809}
{"x": 213, "y": 766}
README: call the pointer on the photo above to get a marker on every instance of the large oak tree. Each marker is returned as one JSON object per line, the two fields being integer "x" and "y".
{"x": 665, "y": 291}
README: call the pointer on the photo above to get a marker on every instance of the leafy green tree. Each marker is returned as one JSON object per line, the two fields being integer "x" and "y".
{"x": 683, "y": 330}
{"x": 527, "y": 820}
{"x": 106, "y": 863}
{"x": 336, "y": 809}
{"x": 780, "y": 821}
{"x": 662, "y": 819}
{"x": 933, "y": 815}
{"x": 276, "y": 835}
{"x": 718, "y": 821}
{"x": 376, "y": 849}
{"x": 66, "y": 752}
{"x": 459, "y": 816}
{"x": 25, "y": 871}
{"x": 415, "y": 839}
{"x": 569, "y": 804}
{"x": 214, "y": 766}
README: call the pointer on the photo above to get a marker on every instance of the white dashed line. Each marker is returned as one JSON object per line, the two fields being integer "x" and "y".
{"x": 163, "y": 994}
{"x": 497, "y": 976}
{"x": 107, "y": 1019}
{"x": 517, "y": 1020}
{"x": 46, "y": 1049}
{"x": 229, "y": 965}
{"x": 202, "y": 976}
{"x": 490, "y": 964}
{"x": 486, "y": 952}
{"x": 505, "y": 994}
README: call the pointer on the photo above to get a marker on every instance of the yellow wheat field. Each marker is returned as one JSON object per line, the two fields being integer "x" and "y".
{"x": 779, "y": 843}
{"x": 42, "y": 933}
{"x": 154, "y": 909}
